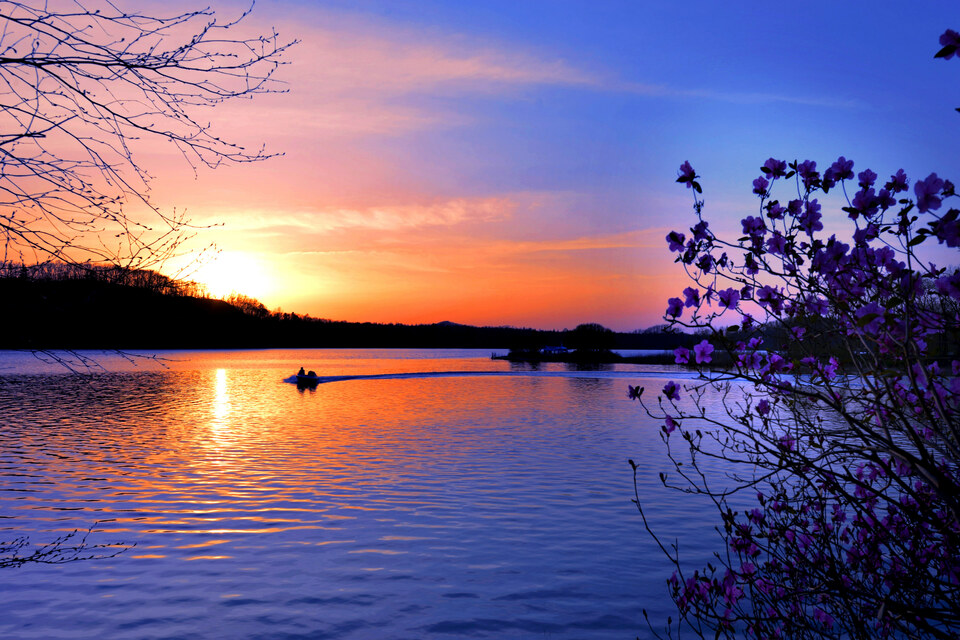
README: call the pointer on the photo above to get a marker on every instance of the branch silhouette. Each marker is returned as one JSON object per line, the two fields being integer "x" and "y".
{"x": 84, "y": 89}
{"x": 68, "y": 547}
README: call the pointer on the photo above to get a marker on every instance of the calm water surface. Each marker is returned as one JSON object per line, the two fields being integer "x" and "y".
{"x": 484, "y": 506}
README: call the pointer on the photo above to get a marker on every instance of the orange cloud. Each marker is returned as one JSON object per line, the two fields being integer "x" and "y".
{"x": 356, "y": 237}
{"x": 323, "y": 220}
{"x": 470, "y": 279}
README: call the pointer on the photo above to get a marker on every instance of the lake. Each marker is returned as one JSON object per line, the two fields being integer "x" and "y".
{"x": 490, "y": 502}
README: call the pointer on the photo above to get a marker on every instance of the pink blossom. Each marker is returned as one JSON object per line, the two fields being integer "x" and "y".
{"x": 763, "y": 407}
{"x": 760, "y": 186}
{"x": 700, "y": 231}
{"x": 950, "y": 40}
{"x": 687, "y": 174}
{"x": 728, "y": 298}
{"x": 670, "y": 425}
{"x": 753, "y": 226}
{"x": 897, "y": 182}
{"x": 671, "y": 390}
{"x": 823, "y": 618}
{"x": 774, "y": 168}
{"x": 703, "y": 351}
{"x": 928, "y": 193}
{"x": 787, "y": 443}
{"x": 842, "y": 169}
{"x": 674, "y": 307}
{"x": 807, "y": 170}
{"x": 675, "y": 241}
{"x": 867, "y": 178}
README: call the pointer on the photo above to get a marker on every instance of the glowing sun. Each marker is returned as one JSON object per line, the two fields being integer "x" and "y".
{"x": 234, "y": 273}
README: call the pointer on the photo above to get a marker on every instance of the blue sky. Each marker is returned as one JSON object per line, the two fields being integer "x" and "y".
{"x": 514, "y": 162}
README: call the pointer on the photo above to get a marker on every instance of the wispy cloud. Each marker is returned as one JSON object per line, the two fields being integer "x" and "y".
{"x": 370, "y": 219}
{"x": 396, "y": 61}
{"x": 456, "y": 252}
{"x": 832, "y": 102}
{"x": 738, "y": 97}
{"x": 349, "y": 76}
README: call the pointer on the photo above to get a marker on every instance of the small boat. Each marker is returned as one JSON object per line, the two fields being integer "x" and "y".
{"x": 308, "y": 379}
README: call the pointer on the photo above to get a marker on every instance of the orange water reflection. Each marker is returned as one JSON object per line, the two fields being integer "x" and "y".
{"x": 246, "y": 441}
{"x": 402, "y": 492}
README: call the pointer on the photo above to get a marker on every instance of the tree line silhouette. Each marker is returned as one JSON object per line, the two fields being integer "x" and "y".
{"x": 70, "y": 306}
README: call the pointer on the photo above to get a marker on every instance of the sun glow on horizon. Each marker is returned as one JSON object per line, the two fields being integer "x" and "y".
{"x": 231, "y": 272}
{"x": 474, "y": 165}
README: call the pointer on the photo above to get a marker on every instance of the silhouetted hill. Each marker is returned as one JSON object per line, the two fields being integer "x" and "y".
{"x": 80, "y": 314}
{"x": 107, "y": 309}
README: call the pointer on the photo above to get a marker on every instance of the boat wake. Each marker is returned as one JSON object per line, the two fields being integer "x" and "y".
{"x": 502, "y": 374}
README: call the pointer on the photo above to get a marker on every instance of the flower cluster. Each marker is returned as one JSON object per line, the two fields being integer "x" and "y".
{"x": 852, "y": 353}
{"x": 846, "y": 354}
{"x": 846, "y": 349}
{"x": 851, "y": 350}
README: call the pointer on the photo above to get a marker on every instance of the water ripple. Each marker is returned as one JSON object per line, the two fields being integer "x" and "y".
{"x": 431, "y": 497}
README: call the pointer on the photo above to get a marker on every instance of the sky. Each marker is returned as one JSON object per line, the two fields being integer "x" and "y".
{"x": 514, "y": 163}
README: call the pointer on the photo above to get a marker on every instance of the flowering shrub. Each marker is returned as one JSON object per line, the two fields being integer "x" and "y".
{"x": 841, "y": 380}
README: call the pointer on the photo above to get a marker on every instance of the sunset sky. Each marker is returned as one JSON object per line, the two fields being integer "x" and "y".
{"x": 513, "y": 163}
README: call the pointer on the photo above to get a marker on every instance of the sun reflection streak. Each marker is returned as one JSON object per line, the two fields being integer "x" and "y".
{"x": 221, "y": 401}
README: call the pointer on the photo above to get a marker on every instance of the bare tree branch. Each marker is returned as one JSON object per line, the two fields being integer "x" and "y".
{"x": 83, "y": 87}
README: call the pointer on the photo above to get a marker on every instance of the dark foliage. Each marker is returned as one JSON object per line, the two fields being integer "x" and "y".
{"x": 68, "y": 307}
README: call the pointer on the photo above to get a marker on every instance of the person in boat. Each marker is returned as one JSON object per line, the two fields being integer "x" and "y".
{"x": 312, "y": 373}
{"x": 300, "y": 373}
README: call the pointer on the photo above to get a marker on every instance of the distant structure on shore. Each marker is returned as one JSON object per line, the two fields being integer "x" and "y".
{"x": 555, "y": 351}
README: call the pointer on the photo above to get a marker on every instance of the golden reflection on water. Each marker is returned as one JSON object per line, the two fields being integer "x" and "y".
{"x": 217, "y": 444}
{"x": 221, "y": 401}
{"x": 236, "y": 453}
{"x": 233, "y": 482}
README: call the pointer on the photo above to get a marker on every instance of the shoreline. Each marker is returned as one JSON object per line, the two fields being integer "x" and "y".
{"x": 587, "y": 358}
